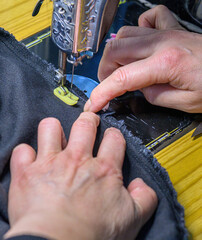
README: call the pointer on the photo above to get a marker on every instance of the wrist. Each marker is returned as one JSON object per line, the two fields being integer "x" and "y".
{"x": 51, "y": 227}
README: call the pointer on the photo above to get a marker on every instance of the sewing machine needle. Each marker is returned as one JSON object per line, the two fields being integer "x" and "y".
{"x": 72, "y": 75}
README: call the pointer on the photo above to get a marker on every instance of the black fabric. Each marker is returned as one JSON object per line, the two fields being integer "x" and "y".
{"x": 26, "y": 237}
{"x": 26, "y": 97}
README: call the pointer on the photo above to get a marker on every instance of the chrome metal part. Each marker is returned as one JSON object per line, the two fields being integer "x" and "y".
{"x": 78, "y": 26}
{"x": 62, "y": 62}
{"x": 72, "y": 75}
{"x": 58, "y": 76}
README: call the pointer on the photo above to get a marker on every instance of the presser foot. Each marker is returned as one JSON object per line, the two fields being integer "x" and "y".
{"x": 65, "y": 95}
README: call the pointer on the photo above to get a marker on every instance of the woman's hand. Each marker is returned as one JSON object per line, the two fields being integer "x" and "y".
{"x": 159, "y": 58}
{"x": 63, "y": 192}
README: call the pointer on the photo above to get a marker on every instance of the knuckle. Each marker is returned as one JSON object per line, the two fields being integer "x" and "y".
{"x": 87, "y": 119}
{"x": 161, "y": 8}
{"x": 77, "y": 155}
{"x": 116, "y": 135}
{"x": 49, "y": 121}
{"x": 94, "y": 95}
{"x": 25, "y": 178}
{"x": 120, "y": 78}
{"x": 123, "y": 31}
{"x": 104, "y": 168}
{"x": 98, "y": 95}
{"x": 88, "y": 115}
{"x": 110, "y": 47}
{"x": 171, "y": 57}
{"x": 84, "y": 123}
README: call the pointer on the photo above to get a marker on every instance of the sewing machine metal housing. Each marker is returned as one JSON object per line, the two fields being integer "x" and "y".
{"x": 78, "y": 26}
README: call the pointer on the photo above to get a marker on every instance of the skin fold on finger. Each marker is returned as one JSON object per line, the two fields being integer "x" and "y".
{"x": 159, "y": 18}
{"x": 112, "y": 147}
{"x": 167, "y": 96}
{"x": 121, "y": 52}
{"x": 49, "y": 137}
{"x": 64, "y": 140}
{"x": 82, "y": 136}
{"x": 22, "y": 156}
{"x": 145, "y": 199}
{"x": 133, "y": 31}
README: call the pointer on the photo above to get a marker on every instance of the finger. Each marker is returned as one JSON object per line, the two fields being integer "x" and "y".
{"x": 82, "y": 136}
{"x": 50, "y": 135}
{"x": 144, "y": 198}
{"x": 167, "y": 96}
{"x": 112, "y": 148}
{"x": 22, "y": 156}
{"x": 132, "y": 31}
{"x": 124, "y": 51}
{"x": 131, "y": 77}
{"x": 159, "y": 18}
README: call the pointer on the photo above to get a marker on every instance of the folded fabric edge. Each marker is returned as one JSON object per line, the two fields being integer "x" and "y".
{"x": 171, "y": 194}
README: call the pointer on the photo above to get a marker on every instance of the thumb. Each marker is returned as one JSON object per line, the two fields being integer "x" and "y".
{"x": 145, "y": 199}
{"x": 22, "y": 156}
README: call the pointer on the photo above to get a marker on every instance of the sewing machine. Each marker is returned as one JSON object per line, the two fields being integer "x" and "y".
{"x": 78, "y": 27}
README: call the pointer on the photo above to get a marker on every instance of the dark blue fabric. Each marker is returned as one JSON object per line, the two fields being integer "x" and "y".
{"x": 26, "y": 97}
{"x": 26, "y": 237}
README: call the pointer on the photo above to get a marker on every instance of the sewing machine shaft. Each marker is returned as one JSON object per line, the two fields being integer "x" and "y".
{"x": 78, "y": 27}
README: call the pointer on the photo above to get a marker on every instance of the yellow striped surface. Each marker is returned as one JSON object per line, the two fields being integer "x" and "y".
{"x": 16, "y": 17}
{"x": 182, "y": 159}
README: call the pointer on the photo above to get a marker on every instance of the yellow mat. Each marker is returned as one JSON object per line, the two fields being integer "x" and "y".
{"x": 182, "y": 159}
{"x": 16, "y": 17}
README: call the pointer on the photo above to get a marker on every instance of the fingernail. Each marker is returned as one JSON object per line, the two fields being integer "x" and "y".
{"x": 87, "y": 106}
{"x": 140, "y": 184}
{"x": 105, "y": 108}
{"x": 139, "y": 181}
{"x": 112, "y": 129}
